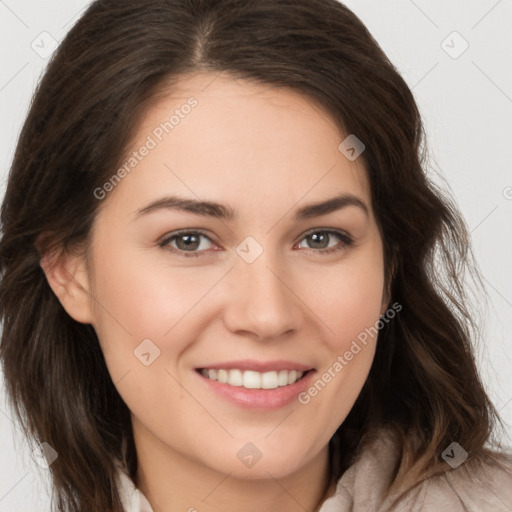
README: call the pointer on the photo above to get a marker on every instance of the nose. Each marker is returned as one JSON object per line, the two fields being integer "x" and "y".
{"x": 261, "y": 302}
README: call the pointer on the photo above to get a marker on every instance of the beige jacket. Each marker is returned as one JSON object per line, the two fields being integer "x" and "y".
{"x": 361, "y": 487}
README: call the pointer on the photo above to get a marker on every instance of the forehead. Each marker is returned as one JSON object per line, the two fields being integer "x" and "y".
{"x": 231, "y": 140}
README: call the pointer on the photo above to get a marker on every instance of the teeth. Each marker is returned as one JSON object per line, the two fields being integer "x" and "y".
{"x": 254, "y": 380}
{"x": 222, "y": 376}
{"x": 235, "y": 378}
{"x": 270, "y": 380}
{"x": 282, "y": 378}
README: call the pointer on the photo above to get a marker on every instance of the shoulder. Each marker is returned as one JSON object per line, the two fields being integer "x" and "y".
{"x": 474, "y": 486}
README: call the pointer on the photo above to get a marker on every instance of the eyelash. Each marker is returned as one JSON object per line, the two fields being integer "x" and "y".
{"x": 164, "y": 243}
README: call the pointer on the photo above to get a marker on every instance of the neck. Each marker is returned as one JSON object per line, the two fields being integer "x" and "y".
{"x": 173, "y": 482}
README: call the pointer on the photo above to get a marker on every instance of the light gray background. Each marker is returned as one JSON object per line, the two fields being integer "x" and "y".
{"x": 466, "y": 103}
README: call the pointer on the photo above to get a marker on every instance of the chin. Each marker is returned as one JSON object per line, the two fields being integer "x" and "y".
{"x": 248, "y": 462}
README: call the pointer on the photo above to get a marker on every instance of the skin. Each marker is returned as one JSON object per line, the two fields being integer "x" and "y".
{"x": 264, "y": 152}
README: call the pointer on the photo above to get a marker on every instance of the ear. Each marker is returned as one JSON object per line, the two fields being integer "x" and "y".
{"x": 67, "y": 276}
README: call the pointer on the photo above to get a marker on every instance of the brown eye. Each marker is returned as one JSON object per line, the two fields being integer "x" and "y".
{"x": 321, "y": 240}
{"x": 186, "y": 242}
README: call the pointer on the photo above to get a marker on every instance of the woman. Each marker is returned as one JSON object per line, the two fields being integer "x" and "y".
{"x": 227, "y": 283}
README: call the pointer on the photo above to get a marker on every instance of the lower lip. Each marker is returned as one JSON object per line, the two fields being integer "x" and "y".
{"x": 266, "y": 399}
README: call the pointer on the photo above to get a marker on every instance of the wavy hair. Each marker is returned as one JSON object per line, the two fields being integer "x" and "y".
{"x": 114, "y": 62}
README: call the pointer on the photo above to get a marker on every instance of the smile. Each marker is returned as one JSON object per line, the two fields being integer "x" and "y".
{"x": 251, "y": 379}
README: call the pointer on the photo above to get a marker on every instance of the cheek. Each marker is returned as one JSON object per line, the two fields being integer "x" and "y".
{"x": 137, "y": 300}
{"x": 142, "y": 309}
{"x": 349, "y": 305}
{"x": 349, "y": 301}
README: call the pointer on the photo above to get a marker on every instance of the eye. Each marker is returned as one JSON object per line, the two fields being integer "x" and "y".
{"x": 320, "y": 239}
{"x": 186, "y": 242}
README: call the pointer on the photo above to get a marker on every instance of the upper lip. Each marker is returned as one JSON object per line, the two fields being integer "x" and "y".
{"x": 258, "y": 366}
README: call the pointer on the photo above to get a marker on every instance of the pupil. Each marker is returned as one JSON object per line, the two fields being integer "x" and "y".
{"x": 316, "y": 237}
{"x": 189, "y": 241}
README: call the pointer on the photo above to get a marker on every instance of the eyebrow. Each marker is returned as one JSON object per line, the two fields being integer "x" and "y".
{"x": 220, "y": 211}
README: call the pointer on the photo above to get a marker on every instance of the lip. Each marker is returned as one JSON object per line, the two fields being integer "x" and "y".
{"x": 258, "y": 399}
{"x": 257, "y": 366}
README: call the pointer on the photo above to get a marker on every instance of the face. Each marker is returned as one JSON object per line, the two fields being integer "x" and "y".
{"x": 208, "y": 310}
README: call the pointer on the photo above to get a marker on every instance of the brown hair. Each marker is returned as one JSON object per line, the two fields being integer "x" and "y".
{"x": 423, "y": 384}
